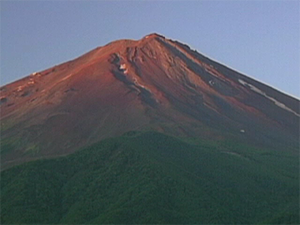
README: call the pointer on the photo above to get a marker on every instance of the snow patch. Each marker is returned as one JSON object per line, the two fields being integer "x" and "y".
{"x": 122, "y": 67}
{"x": 139, "y": 85}
{"x": 20, "y": 88}
{"x": 276, "y": 102}
{"x": 31, "y": 82}
{"x": 142, "y": 86}
{"x": 67, "y": 77}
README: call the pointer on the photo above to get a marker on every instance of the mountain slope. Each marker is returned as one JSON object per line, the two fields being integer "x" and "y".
{"x": 151, "y": 84}
{"x": 151, "y": 178}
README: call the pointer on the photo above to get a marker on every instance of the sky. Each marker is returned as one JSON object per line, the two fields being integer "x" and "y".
{"x": 260, "y": 39}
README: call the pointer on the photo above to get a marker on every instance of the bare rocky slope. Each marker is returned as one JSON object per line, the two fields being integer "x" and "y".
{"x": 151, "y": 84}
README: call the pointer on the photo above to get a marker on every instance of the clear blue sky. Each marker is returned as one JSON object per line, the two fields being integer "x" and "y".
{"x": 257, "y": 38}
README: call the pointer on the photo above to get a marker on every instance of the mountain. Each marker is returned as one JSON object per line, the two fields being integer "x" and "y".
{"x": 147, "y": 131}
{"x": 154, "y": 83}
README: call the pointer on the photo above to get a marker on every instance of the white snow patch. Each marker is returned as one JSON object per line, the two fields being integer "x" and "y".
{"x": 67, "y": 77}
{"x": 35, "y": 73}
{"x": 122, "y": 67}
{"x": 242, "y": 82}
{"x": 242, "y": 131}
{"x": 20, "y": 88}
{"x": 142, "y": 86}
{"x": 276, "y": 102}
{"x": 135, "y": 81}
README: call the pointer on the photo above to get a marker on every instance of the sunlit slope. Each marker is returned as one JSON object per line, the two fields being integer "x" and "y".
{"x": 150, "y": 84}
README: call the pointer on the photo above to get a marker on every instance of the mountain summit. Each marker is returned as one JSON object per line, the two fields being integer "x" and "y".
{"x": 151, "y": 84}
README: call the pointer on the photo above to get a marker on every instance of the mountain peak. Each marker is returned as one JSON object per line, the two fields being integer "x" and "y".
{"x": 153, "y": 35}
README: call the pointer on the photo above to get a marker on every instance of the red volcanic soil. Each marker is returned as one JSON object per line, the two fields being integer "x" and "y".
{"x": 151, "y": 84}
